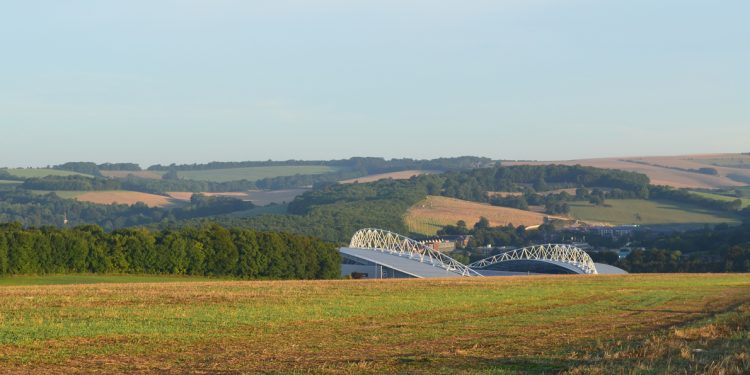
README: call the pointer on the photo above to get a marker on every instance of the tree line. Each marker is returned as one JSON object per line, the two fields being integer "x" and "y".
{"x": 208, "y": 250}
{"x": 34, "y": 210}
{"x": 365, "y": 164}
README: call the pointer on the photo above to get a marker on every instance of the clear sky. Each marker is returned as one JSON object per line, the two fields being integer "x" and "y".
{"x": 161, "y": 81}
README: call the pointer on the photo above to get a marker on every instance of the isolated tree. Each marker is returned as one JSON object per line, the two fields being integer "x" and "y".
{"x": 483, "y": 223}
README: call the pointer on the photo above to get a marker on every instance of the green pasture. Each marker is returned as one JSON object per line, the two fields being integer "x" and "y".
{"x": 253, "y": 173}
{"x": 41, "y": 172}
{"x": 638, "y": 211}
{"x": 721, "y": 197}
{"x": 92, "y": 279}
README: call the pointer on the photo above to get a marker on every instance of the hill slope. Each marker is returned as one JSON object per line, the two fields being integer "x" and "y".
{"x": 672, "y": 170}
{"x": 435, "y": 212}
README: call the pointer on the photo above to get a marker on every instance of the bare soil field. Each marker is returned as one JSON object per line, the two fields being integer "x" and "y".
{"x": 661, "y": 169}
{"x": 400, "y": 175}
{"x": 124, "y": 197}
{"x": 431, "y": 214}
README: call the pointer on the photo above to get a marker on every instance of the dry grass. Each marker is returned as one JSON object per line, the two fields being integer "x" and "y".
{"x": 433, "y": 213}
{"x": 124, "y": 197}
{"x": 714, "y": 345}
{"x": 400, "y": 175}
{"x": 497, "y": 325}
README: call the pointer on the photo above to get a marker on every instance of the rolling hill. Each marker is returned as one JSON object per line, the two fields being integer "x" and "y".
{"x": 253, "y": 173}
{"x": 400, "y": 175}
{"x": 435, "y": 212}
{"x": 672, "y": 170}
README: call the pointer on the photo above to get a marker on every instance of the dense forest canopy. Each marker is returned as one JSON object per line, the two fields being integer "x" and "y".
{"x": 208, "y": 250}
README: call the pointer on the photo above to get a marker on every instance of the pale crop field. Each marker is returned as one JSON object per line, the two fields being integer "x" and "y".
{"x": 434, "y": 212}
{"x": 400, "y": 175}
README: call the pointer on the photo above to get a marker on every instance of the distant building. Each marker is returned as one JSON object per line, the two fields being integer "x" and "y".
{"x": 445, "y": 244}
{"x": 615, "y": 231}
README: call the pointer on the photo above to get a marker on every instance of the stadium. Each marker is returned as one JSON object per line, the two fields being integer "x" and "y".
{"x": 377, "y": 253}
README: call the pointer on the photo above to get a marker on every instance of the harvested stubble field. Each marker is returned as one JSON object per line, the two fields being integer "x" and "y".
{"x": 124, "y": 197}
{"x": 400, "y": 175}
{"x": 600, "y": 324}
{"x": 435, "y": 212}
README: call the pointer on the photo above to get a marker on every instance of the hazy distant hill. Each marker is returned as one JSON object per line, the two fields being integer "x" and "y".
{"x": 707, "y": 171}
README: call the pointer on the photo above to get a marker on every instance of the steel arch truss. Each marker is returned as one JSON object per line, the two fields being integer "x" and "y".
{"x": 550, "y": 252}
{"x": 396, "y": 244}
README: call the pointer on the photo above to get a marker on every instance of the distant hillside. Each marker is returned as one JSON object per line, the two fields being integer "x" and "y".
{"x": 707, "y": 171}
{"x": 433, "y": 213}
{"x": 401, "y": 175}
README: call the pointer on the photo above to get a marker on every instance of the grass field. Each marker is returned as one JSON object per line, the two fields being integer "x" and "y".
{"x": 154, "y": 175}
{"x": 433, "y": 213}
{"x": 253, "y": 173}
{"x": 10, "y": 182}
{"x": 93, "y": 279}
{"x": 628, "y": 211}
{"x": 41, "y": 172}
{"x": 719, "y": 197}
{"x": 605, "y": 324}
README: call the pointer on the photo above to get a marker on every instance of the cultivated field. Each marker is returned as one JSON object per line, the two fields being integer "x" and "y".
{"x": 433, "y": 213}
{"x": 153, "y": 175}
{"x": 582, "y": 324}
{"x": 629, "y": 211}
{"x": 40, "y": 172}
{"x": 258, "y": 197}
{"x": 400, "y": 175}
{"x": 253, "y": 173}
{"x": 115, "y": 196}
{"x": 660, "y": 169}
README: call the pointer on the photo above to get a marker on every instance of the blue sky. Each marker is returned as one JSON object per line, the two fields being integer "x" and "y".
{"x": 195, "y": 81}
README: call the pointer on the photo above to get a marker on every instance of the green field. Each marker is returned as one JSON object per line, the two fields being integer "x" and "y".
{"x": 719, "y": 197}
{"x": 41, "y": 172}
{"x": 9, "y": 182}
{"x": 600, "y": 324}
{"x": 92, "y": 279}
{"x": 628, "y": 211}
{"x": 253, "y": 173}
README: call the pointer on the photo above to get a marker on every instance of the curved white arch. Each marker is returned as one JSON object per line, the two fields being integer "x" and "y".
{"x": 549, "y": 252}
{"x": 396, "y": 244}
